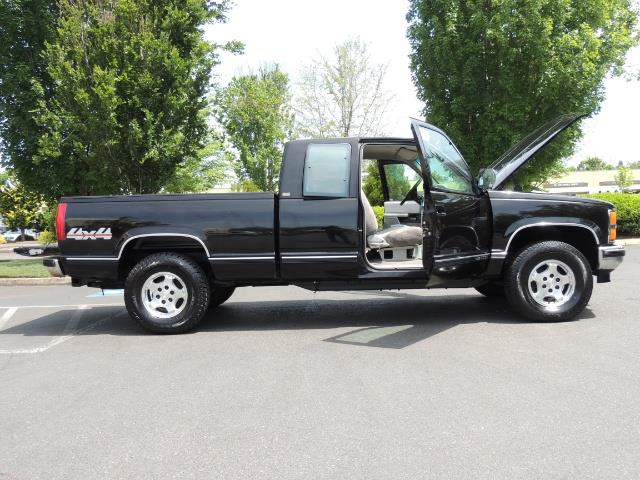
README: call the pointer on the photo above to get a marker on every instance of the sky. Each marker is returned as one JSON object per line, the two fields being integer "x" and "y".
{"x": 291, "y": 32}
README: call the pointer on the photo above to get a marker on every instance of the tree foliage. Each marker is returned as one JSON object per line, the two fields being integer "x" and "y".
{"x": 397, "y": 183}
{"x": 634, "y": 165}
{"x": 343, "y": 95}
{"x": 594, "y": 163}
{"x": 201, "y": 173}
{"x": 624, "y": 178}
{"x": 25, "y": 27}
{"x": 20, "y": 207}
{"x": 255, "y": 112}
{"x": 130, "y": 83}
{"x": 372, "y": 185}
{"x": 491, "y": 71}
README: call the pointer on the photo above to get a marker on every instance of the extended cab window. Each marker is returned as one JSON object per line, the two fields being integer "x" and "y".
{"x": 326, "y": 170}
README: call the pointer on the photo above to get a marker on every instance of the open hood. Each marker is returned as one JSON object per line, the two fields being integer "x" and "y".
{"x": 498, "y": 172}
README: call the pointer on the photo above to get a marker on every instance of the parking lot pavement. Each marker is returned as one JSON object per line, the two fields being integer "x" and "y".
{"x": 284, "y": 383}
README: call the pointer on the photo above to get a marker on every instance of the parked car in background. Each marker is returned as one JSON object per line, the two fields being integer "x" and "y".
{"x": 16, "y": 235}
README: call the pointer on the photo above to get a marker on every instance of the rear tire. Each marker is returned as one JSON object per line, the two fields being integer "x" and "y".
{"x": 167, "y": 293}
{"x": 492, "y": 290}
{"x": 549, "y": 282}
{"x": 219, "y": 295}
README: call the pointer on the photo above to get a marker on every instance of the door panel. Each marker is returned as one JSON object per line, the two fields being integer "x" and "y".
{"x": 463, "y": 233}
{"x": 461, "y": 214}
{"x": 396, "y": 214}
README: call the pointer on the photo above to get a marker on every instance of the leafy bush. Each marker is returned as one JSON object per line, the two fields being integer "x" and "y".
{"x": 2, "y": 240}
{"x": 47, "y": 220}
{"x": 379, "y": 211}
{"x": 628, "y": 209}
{"x": 46, "y": 237}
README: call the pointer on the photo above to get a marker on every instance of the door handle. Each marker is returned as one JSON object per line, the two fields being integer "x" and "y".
{"x": 440, "y": 210}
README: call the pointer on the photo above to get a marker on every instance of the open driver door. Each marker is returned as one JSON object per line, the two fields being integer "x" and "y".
{"x": 430, "y": 233}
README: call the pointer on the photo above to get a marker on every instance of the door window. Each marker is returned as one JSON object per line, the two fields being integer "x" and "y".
{"x": 444, "y": 176}
{"x": 449, "y": 171}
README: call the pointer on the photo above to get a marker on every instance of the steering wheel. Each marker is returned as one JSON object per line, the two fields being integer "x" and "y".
{"x": 413, "y": 193}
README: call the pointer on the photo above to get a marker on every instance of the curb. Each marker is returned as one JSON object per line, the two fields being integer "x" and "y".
{"x": 8, "y": 282}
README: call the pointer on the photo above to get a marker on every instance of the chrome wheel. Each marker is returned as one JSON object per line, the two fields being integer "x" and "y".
{"x": 551, "y": 283}
{"x": 164, "y": 295}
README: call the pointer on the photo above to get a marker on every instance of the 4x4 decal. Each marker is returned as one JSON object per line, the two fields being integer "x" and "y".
{"x": 81, "y": 234}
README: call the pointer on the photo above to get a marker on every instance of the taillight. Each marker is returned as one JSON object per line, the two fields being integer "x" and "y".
{"x": 613, "y": 225}
{"x": 61, "y": 231}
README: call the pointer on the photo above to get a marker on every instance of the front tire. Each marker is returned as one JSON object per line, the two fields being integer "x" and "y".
{"x": 167, "y": 293}
{"x": 549, "y": 282}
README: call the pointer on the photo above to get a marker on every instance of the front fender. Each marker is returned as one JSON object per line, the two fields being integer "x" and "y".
{"x": 512, "y": 230}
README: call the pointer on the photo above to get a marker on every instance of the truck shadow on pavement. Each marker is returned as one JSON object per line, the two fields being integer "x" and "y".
{"x": 382, "y": 322}
{"x": 391, "y": 320}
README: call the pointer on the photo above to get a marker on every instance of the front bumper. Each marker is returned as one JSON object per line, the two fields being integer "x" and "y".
{"x": 609, "y": 257}
{"x": 53, "y": 267}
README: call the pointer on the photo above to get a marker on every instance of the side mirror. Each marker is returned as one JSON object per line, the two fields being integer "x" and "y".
{"x": 486, "y": 177}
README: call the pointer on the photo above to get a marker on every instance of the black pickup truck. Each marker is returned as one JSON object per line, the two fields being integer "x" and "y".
{"x": 178, "y": 255}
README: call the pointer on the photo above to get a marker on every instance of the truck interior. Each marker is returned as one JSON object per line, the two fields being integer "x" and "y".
{"x": 391, "y": 180}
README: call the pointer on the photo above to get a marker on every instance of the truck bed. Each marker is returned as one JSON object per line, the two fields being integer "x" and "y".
{"x": 227, "y": 228}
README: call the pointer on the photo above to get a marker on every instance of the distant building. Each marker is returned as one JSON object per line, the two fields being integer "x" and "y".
{"x": 594, "y": 181}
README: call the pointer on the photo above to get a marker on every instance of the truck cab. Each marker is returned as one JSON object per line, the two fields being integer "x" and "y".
{"x": 436, "y": 227}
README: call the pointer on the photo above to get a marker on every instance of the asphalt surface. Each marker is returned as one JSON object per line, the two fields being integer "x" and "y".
{"x": 283, "y": 383}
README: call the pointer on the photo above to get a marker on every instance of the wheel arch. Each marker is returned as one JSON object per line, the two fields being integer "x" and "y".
{"x": 583, "y": 237}
{"x": 135, "y": 247}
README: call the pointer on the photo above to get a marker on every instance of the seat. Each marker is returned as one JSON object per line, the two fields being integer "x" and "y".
{"x": 394, "y": 237}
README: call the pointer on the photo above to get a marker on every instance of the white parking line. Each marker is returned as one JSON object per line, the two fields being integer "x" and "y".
{"x": 73, "y": 321}
{"x": 69, "y": 329}
{"x": 7, "y": 315}
{"x": 68, "y": 306}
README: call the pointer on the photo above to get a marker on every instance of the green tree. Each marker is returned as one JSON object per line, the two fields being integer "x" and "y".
{"x": 255, "y": 112}
{"x": 634, "y": 165}
{"x": 371, "y": 184}
{"x": 201, "y": 173}
{"x": 594, "y": 163}
{"x": 624, "y": 178}
{"x": 397, "y": 183}
{"x": 131, "y": 80}
{"x": 343, "y": 95}
{"x": 21, "y": 208}
{"x": 25, "y": 27}
{"x": 490, "y": 72}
